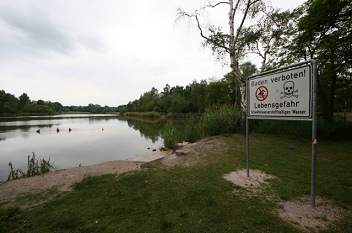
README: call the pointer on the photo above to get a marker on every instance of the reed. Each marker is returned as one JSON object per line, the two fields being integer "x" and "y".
{"x": 170, "y": 136}
{"x": 143, "y": 114}
{"x": 218, "y": 120}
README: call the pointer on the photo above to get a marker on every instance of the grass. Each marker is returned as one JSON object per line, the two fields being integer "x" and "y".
{"x": 196, "y": 198}
{"x": 36, "y": 198}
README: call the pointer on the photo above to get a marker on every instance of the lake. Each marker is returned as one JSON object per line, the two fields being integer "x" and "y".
{"x": 93, "y": 139}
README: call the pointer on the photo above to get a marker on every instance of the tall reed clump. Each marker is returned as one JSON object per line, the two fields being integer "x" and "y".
{"x": 142, "y": 114}
{"x": 215, "y": 121}
{"x": 192, "y": 132}
{"x": 34, "y": 167}
{"x": 170, "y": 136}
{"x": 218, "y": 120}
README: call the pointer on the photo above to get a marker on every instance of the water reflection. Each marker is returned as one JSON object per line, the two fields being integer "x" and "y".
{"x": 85, "y": 144}
{"x": 148, "y": 128}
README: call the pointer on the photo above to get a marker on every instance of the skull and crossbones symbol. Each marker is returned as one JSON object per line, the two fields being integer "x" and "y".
{"x": 289, "y": 90}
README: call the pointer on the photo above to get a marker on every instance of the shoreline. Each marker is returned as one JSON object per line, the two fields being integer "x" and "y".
{"x": 64, "y": 179}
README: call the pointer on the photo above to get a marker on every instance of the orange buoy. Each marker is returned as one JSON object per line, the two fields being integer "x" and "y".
{"x": 69, "y": 129}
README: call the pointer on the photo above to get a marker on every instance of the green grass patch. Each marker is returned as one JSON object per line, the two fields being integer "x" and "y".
{"x": 35, "y": 198}
{"x": 197, "y": 198}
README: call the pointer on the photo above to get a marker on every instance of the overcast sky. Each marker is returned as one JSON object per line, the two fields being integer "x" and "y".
{"x": 103, "y": 52}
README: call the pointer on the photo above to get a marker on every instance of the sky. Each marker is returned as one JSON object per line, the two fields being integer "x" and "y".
{"x": 104, "y": 52}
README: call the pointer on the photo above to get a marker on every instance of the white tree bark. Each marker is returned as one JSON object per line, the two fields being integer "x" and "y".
{"x": 230, "y": 48}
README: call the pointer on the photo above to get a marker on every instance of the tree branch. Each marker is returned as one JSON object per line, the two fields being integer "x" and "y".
{"x": 249, "y": 3}
{"x": 217, "y": 4}
{"x": 182, "y": 13}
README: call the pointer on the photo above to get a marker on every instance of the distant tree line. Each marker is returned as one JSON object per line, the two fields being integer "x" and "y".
{"x": 194, "y": 98}
{"x": 11, "y": 106}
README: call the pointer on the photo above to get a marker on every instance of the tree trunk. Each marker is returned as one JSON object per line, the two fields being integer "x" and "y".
{"x": 323, "y": 102}
{"x": 238, "y": 75}
{"x": 234, "y": 65}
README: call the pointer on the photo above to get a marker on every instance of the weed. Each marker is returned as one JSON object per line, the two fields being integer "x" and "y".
{"x": 34, "y": 167}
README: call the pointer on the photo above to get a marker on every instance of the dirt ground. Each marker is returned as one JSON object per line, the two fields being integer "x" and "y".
{"x": 296, "y": 212}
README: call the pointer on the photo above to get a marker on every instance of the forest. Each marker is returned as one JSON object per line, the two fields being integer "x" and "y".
{"x": 10, "y": 105}
{"x": 193, "y": 98}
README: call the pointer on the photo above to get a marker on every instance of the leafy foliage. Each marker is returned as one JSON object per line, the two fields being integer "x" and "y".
{"x": 194, "y": 98}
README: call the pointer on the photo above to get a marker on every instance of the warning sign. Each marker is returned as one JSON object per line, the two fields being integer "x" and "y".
{"x": 261, "y": 93}
{"x": 286, "y": 93}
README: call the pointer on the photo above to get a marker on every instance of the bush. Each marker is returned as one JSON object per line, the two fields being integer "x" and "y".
{"x": 337, "y": 130}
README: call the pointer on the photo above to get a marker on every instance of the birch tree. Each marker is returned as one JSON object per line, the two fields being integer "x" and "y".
{"x": 273, "y": 30}
{"x": 230, "y": 43}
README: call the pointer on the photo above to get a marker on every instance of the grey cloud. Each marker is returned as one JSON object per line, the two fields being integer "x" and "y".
{"x": 91, "y": 42}
{"x": 36, "y": 31}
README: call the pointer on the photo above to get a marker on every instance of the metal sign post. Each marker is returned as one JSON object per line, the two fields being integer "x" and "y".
{"x": 287, "y": 93}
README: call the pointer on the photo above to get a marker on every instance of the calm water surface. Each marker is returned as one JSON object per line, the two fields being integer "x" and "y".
{"x": 93, "y": 139}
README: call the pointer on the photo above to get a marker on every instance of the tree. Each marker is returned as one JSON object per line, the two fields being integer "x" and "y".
{"x": 274, "y": 30}
{"x": 197, "y": 92}
{"x": 8, "y": 103}
{"x": 40, "y": 102}
{"x": 325, "y": 34}
{"x": 218, "y": 93}
{"x": 229, "y": 44}
{"x": 247, "y": 70}
{"x": 149, "y": 100}
{"x": 24, "y": 100}
{"x": 58, "y": 107}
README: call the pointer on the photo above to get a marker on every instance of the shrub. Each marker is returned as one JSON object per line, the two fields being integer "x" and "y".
{"x": 338, "y": 130}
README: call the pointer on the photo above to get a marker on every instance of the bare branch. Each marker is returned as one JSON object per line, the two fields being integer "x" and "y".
{"x": 213, "y": 6}
{"x": 209, "y": 39}
{"x": 181, "y": 13}
{"x": 235, "y": 9}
